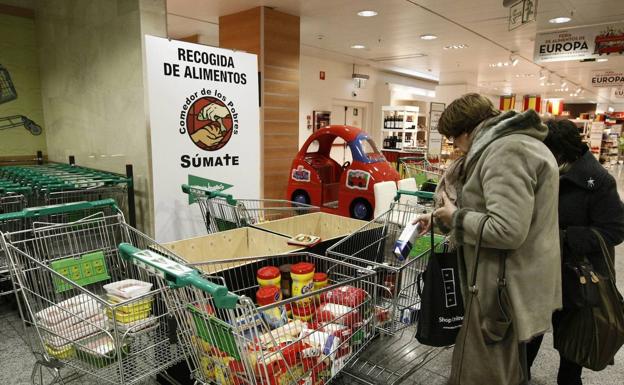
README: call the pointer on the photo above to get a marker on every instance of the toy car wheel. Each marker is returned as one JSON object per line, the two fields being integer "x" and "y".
{"x": 301, "y": 196}
{"x": 361, "y": 209}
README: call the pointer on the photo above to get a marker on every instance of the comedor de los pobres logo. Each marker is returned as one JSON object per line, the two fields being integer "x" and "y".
{"x": 209, "y": 123}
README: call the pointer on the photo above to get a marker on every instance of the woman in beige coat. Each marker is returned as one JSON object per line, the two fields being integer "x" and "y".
{"x": 509, "y": 175}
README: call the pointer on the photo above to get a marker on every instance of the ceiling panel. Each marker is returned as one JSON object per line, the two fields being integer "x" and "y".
{"x": 330, "y": 27}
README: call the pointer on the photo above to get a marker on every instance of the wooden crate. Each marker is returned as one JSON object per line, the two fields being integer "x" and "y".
{"x": 230, "y": 245}
{"x": 324, "y": 225}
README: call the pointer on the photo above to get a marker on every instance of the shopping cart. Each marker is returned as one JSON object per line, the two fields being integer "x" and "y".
{"x": 395, "y": 354}
{"x": 426, "y": 174}
{"x": 56, "y": 183}
{"x": 231, "y": 340}
{"x": 86, "y": 311}
{"x": 222, "y": 212}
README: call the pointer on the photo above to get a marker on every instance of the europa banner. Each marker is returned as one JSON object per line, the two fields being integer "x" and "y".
{"x": 204, "y": 118}
{"x": 579, "y": 43}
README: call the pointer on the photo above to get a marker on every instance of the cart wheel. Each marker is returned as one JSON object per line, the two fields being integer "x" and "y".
{"x": 301, "y": 196}
{"x": 361, "y": 209}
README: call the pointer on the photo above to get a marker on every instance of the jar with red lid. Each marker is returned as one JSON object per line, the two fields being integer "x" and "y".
{"x": 269, "y": 276}
{"x": 276, "y": 315}
{"x": 302, "y": 311}
{"x": 320, "y": 280}
{"x": 302, "y": 275}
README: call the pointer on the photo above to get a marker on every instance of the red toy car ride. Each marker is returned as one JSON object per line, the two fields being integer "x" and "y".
{"x": 345, "y": 189}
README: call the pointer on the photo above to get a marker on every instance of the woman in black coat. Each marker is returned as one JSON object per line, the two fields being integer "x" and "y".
{"x": 588, "y": 199}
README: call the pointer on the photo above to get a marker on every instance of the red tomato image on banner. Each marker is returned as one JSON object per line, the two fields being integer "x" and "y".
{"x": 209, "y": 123}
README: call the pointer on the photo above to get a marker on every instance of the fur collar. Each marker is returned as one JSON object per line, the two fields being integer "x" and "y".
{"x": 507, "y": 123}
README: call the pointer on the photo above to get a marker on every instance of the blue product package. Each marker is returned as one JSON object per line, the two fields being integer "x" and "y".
{"x": 403, "y": 245}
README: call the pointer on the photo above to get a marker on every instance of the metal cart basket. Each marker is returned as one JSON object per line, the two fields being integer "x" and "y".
{"x": 86, "y": 311}
{"x": 231, "y": 340}
{"x": 421, "y": 170}
{"x": 16, "y": 218}
{"x": 396, "y": 353}
{"x": 222, "y": 212}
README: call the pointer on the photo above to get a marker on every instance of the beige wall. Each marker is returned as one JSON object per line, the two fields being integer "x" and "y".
{"x": 18, "y": 54}
{"x": 93, "y": 86}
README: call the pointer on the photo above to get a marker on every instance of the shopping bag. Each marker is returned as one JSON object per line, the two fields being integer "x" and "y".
{"x": 441, "y": 304}
{"x": 591, "y": 336}
{"x": 487, "y": 350}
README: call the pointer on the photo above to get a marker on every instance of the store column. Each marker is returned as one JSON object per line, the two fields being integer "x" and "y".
{"x": 274, "y": 37}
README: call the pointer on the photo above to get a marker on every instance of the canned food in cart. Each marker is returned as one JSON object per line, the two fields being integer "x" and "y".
{"x": 228, "y": 340}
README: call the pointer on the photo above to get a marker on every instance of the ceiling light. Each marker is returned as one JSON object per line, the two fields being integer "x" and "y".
{"x": 563, "y": 83}
{"x": 559, "y": 20}
{"x": 572, "y": 94}
{"x": 367, "y": 13}
{"x": 602, "y": 59}
{"x": 513, "y": 59}
{"x": 428, "y": 36}
{"x": 610, "y": 109}
{"x": 456, "y": 46}
{"x": 358, "y": 46}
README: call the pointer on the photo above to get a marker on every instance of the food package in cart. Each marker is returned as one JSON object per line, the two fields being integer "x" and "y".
{"x": 326, "y": 343}
{"x": 403, "y": 245}
{"x": 345, "y": 295}
{"x": 341, "y": 331}
{"x": 69, "y": 312}
{"x": 128, "y": 288}
{"x": 335, "y": 313}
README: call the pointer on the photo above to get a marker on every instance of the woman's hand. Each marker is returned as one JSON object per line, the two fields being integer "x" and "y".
{"x": 445, "y": 213}
{"x": 424, "y": 221}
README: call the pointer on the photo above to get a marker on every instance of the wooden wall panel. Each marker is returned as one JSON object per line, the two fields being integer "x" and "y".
{"x": 283, "y": 101}
{"x": 281, "y": 39}
{"x": 241, "y": 31}
{"x": 281, "y": 73}
{"x": 281, "y": 114}
{"x": 278, "y": 59}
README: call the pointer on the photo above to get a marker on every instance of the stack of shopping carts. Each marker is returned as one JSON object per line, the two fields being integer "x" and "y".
{"x": 55, "y": 183}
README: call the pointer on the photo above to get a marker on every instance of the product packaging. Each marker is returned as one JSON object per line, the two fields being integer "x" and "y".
{"x": 334, "y": 313}
{"x": 403, "y": 245}
{"x": 345, "y": 295}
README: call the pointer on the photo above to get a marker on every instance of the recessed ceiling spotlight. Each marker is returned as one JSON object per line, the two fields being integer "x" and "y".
{"x": 358, "y": 46}
{"x": 602, "y": 59}
{"x": 559, "y": 20}
{"x": 367, "y": 13}
{"x": 456, "y": 46}
{"x": 513, "y": 59}
{"x": 428, "y": 36}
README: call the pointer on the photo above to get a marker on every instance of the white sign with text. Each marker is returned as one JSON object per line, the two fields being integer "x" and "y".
{"x": 204, "y": 119}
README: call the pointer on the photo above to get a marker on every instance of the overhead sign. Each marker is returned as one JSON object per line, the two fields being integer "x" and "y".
{"x": 204, "y": 118}
{"x": 607, "y": 79}
{"x": 434, "y": 145}
{"x": 522, "y": 12}
{"x": 579, "y": 43}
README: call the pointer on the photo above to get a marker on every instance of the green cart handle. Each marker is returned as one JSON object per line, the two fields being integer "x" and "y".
{"x": 209, "y": 194}
{"x": 178, "y": 275}
{"x": 418, "y": 194}
{"x": 64, "y": 208}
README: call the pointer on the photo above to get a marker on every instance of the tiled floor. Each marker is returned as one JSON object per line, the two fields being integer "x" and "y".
{"x": 16, "y": 361}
